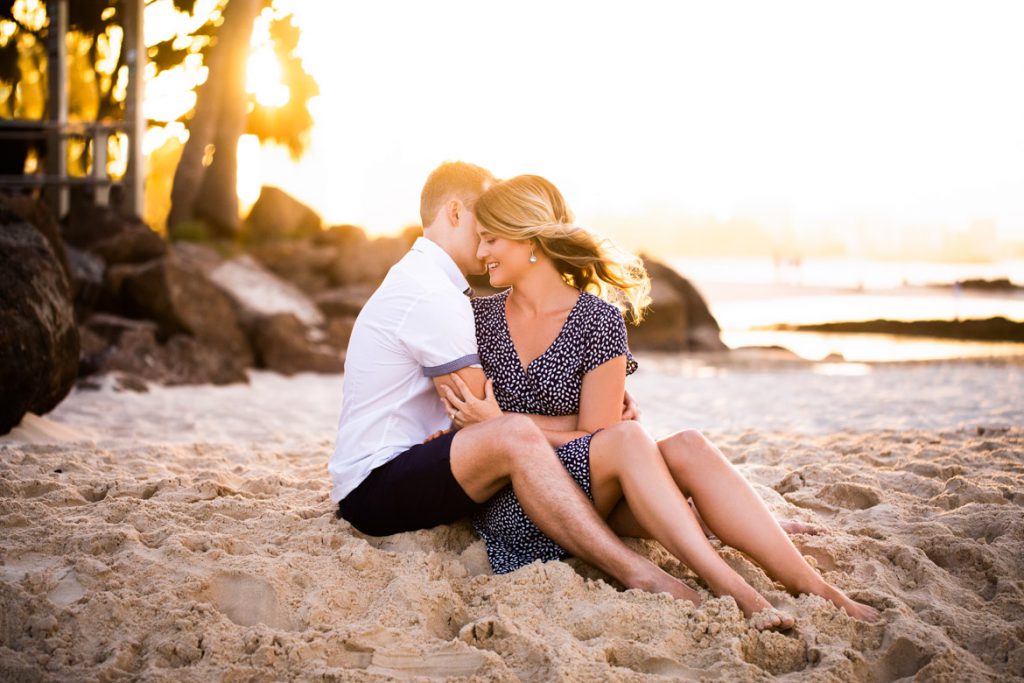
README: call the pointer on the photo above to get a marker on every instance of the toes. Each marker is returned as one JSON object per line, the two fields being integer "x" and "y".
{"x": 771, "y": 619}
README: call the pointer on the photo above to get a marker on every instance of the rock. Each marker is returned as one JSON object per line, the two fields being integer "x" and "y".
{"x": 258, "y": 293}
{"x": 302, "y": 262}
{"x": 283, "y": 345}
{"x": 176, "y": 294}
{"x": 337, "y": 257}
{"x": 276, "y": 215}
{"x": 137, "y": 353}
{"x": 38, "y": 337}
{"x": 86, "y": 280}
{"x": 678, "y": 318}
{"x": 369, "y": 261}
{"x": 35, "y": 213}
{"x": 344, "y": 302}
{"x": 996, "y": 329}
{"x": 339, "y": 331}
{"x": 115, "y": 237}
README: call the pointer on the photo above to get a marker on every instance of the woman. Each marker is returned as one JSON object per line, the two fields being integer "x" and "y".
{"x": 554, "y": 343}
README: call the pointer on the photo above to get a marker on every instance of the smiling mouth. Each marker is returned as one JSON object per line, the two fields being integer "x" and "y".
{"x": 491, "y": 266}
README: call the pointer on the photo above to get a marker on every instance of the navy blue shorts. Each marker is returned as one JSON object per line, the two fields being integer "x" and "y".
{"x": 415, "y": 490}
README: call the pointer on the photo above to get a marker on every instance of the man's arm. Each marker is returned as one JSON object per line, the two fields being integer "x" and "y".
{"x": 474, "y": 382}
{"x": 461, "y": 395}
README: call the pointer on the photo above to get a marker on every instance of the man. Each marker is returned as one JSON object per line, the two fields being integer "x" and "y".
{"x": 413, "y": 336}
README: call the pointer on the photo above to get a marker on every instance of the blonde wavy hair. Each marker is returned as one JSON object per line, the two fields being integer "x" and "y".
{"x": 529, "y": 207}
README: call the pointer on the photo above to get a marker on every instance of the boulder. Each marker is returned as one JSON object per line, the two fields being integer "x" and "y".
{"x": 678, "y": 318}
{"x": 38, "y": 337}
{"x": 35, "y": 213}
{"x": 86, "y": 280}
{"x": 176, "y": 294}
{"x": 283, "y": 344}
{"x": 339, "y": 331}
{"x": 132, "y": 349}
{"x": 115, "y": 237}
{"x": 303, "y": 263}
{"x": 258, "y": 293}
{"x": 277, "y": 215}
{"x": 344, "y": 302}
{"x": 368, "y": 261}
{"x": 339, "y": 256}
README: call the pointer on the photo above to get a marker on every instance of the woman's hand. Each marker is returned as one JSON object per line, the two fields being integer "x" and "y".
{"x": 466, "y": 409}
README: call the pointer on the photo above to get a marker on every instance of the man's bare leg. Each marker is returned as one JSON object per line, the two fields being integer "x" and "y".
{"x": 487, "y": 456}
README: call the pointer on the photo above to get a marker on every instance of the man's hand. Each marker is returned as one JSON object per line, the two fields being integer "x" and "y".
{"x": 466, "y": 409}
{"x": 630, "y": 408}
{"x": 438, "y": 435}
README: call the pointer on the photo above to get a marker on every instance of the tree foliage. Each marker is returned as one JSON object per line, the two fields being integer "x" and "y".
{"x": 97, "y": 64}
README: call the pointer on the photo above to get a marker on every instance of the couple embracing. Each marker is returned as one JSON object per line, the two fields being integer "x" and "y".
{"x": 511, "y": 409}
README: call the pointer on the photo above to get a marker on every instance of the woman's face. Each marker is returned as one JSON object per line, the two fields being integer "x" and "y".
{"x": 506, "y": 260}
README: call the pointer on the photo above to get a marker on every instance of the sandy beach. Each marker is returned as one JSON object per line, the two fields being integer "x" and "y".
{"x": 186, "y": 534}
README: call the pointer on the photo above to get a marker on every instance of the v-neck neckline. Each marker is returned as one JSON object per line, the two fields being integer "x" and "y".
{"x": 525, "y": 369}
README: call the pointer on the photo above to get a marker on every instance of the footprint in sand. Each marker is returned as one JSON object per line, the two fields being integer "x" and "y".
{"x": 248, "y": 600}
{"x": 903, "y": 659}
{"x": 850, "y": 496}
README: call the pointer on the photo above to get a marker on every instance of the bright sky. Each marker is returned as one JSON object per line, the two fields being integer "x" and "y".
{"x": 906, "y": 111}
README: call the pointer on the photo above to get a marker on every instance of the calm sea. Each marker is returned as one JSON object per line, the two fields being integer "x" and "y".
{"x": 747, "y": 294}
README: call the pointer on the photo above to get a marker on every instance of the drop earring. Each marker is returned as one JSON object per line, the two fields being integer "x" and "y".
{"x": 533, "y": 257}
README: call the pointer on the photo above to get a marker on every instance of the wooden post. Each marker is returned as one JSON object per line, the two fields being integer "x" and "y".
{"x": 135, "y": 121}
{"x": 101, "y": 190}
{"x": 57, "y": 104}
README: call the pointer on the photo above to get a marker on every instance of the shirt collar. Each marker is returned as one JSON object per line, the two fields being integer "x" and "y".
{"x": 440, "y": 257}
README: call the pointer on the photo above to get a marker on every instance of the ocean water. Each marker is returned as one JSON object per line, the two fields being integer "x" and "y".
{"x": 748, "y": 295}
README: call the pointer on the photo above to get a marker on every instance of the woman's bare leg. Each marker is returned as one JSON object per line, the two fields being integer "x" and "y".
{"x": 736, "y": 514}
{"x": 625, "y": 461}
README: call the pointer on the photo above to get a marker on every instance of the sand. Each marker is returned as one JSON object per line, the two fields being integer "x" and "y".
{"x": 185, "y": 534}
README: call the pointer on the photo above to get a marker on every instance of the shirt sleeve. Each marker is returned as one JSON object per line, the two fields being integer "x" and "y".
{"x": 608, "y": 341}
{"x": 438, "y": 332}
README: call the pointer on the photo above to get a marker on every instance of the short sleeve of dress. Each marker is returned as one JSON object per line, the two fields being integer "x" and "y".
{"x": 607, "y": 338}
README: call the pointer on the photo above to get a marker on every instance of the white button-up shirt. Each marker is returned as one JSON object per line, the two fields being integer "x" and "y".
{"x": 416, "y": 326}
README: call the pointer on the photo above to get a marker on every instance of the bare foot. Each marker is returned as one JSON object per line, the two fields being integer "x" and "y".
{"x": 658, "y": 581}
{"x": 857, "y": 610}
{"x": 758, "y": 610}
{"x": 771, "y": 619}
{"x": 791, "y": 527}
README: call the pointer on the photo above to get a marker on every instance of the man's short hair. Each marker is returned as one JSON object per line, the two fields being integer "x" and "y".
{"x": 464, "y": 181}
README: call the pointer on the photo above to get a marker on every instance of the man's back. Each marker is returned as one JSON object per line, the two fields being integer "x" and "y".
{"x": 417, "y": 325}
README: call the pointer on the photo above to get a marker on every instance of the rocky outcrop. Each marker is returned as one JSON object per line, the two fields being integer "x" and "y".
{"x": 112, "y": 236}
{"x": 344, "y": 302}
{"x": 278, "y": 215}
{"x": 283, "y": 344}
{"x": 997, "y": 329}
{"x": 38, "y": 338}
{"x": 132, "y": 348}
{"x": 182, "y": 300}
{"x": 258, "y": 293}
{"x": 678, "y": 318}
{"x": 337, "y": 257}
{"x": 33, "y": 212}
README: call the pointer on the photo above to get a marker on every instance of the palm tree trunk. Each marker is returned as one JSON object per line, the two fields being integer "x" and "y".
{"x": 209, "y": 193}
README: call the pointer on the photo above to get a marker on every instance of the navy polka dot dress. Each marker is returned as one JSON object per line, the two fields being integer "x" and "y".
{"x": 593, "y": 333}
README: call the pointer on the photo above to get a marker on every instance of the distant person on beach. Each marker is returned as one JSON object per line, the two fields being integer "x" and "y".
{"x": 415, "y": 336}
{"x": 554, "y": 343}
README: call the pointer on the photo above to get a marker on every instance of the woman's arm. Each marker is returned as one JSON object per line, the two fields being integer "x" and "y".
{"x": 601, "y": 395}
{"x": 600, "y": 402}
